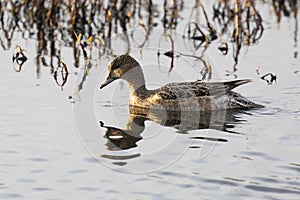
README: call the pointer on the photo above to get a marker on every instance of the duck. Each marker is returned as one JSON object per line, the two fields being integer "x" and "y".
{"x": 179, "y": 96}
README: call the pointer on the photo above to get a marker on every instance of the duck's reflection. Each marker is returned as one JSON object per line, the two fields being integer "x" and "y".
{"x": 121, "y": 139}
{"x": 127, "y": 138}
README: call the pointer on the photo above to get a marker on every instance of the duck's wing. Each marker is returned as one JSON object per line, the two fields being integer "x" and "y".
{"x": 174, "y": 91}
{"x": 186, "y": 90}
{"x": 219, "y": 88}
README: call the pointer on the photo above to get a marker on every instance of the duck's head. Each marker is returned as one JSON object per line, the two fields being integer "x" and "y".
{"x": 122, "y": 67}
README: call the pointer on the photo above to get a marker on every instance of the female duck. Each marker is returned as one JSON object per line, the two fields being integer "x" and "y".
{"x": 194, "y": 96}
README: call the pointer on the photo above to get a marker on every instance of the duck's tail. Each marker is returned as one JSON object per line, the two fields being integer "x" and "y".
{"x": 230, "y": 85}
{"x": 221, "y": 88}
{"x": 238, "y": 101}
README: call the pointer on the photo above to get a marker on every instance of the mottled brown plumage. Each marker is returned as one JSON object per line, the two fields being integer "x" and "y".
{"x": 194, "y": 96}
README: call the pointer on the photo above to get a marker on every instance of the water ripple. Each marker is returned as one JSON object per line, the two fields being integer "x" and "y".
{"x": 78, "y": 171}
{"x": 10, "y": 195}
{"x": 42, "y": 189}
{"x": 258, "y": 188}
{"x": 89, "y": 188}
{"x": 38, "y": 159}
{"x": 221, "y": 182}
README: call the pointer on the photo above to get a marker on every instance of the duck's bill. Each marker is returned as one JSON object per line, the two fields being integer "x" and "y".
{"x": 107, "y": 81}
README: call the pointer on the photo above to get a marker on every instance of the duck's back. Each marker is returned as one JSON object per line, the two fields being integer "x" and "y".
{"x": 185, "y": 90}
{"x": 201, "y": 95}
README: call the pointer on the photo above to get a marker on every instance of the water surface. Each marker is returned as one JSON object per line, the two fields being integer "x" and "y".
{"x": 54, "y": 147}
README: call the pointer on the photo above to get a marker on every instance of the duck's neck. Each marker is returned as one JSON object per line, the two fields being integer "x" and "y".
{"x": 136, "y": 81}
{"x": 137, "y": 91}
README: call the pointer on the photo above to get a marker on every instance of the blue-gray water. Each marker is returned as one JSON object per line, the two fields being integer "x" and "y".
{"x": 53, "y": 148}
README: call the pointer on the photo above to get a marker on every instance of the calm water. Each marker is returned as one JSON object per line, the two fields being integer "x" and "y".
{"x": 52, "y": 145}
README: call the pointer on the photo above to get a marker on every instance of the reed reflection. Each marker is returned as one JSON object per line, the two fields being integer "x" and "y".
{"x": 61, "y": 74}
{"x": 19, "y": 58}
